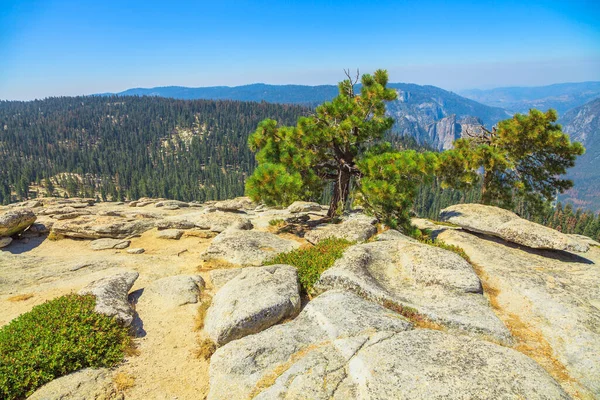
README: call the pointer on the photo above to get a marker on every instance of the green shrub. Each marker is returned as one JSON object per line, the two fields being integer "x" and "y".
{"x": 54, "y": 339}
{"x": 276, "y": 222}
{"x": 312, "y": 261}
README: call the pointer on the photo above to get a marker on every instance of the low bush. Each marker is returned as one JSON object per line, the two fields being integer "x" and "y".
{"x": 312, "y": 261}
{"x": 54, "y": 339}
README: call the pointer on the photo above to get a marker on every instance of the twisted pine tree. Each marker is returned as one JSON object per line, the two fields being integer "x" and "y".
{"x": 341, "y": 143}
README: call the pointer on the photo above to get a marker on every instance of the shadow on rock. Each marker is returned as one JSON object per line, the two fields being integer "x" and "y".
{"x": 137, "y": 325}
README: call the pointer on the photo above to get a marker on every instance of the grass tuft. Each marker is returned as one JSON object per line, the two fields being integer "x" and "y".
{"x": 20, "y": 297}
{"x": 123, "y": 381}
{"x": 206, "y": 349}
{"x": 312, "y": 261}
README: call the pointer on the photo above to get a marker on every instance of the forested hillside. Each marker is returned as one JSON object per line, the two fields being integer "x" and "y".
{"x": 128, "y": 147}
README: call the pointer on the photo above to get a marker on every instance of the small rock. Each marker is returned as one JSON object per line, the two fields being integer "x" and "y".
{"x": 254, "y": 300}
{"x": 5, "y": 241}
{"x": 111, "y": 296}
{"x": 173, "y": 234}
{"x": 138, "y": 250}
{"x": 107, "y": 244}
{"x": 353, "y": 230}
{"x": 173, "y": 291}
{"x": 172, "y": 203}
{"x": 237, "y": 204}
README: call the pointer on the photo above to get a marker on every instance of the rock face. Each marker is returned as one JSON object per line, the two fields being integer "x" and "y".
{"x": 15, "y": 221}
{"x": 303, "y": 206}
{"x": 107, "y": 244}
{"x": 101, "y": 227}
{"x": 111, "y": 296}
{"x": 252, "y": 301}
{"x": 88, "y": 384}
{"x": 549, "y": 300}
{"x": 510, "y": 227}
{"x": 247, "y": 248}
{"x": 344, "y": 347}
{"x": 437, "y": 283}
{"x": 353, "y": 230}
{"x": 174, "y": 291}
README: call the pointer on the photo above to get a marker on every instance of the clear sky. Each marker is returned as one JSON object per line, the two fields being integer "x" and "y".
{"x": 51, "y": 48}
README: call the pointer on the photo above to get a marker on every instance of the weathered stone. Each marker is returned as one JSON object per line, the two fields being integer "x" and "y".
{"x": 107, "y": 244}
{"x": 215, "y": 221}
{"x": 587, "y": 240}
{"x": 247, "y": 248}
{"x": 101, "y": 227}
{"x": 27, "y": 204}
{"x": 137, "y": 250}
{"x": 169, "y": 203}
{"x": 220, "y": 277}
{"x": 85, "y": 384}
{"x": 510, "y": 227}
{"x": 40, "y": 229}
{"x": 173, "y": 234}
{"x": 353, "y": 230}
{"x": 437, "y": 283}
{"x": 550, "y": 300}
{"x": 15, "y": 221}
{"x": 303, "y": 206}
{"x": 70, "y": 215}
{"x": 392, "y": 234}
{"x": 237, "y": 204}
{"x": 5, "y": 241}
{"x": 173, "y": 291}
{"x": 252, "y": 301}
{"x": 111, "y": 296}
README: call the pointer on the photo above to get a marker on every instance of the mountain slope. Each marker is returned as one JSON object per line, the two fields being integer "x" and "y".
{"x": 432, "y": 115}
{"x": 583, "y": 125}
{"x": 561, "y": 97}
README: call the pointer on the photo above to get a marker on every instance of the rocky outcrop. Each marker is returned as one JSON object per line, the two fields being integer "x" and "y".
{"x": 101, "y": 227}
{"x": 173, "y": 291}
{"x": 549, "y": 300}
{"x": 111, "y": 296}
{"x": 417, "y": 276}
{"x": 88, "y": 384}
{"x": 353, "y": 230}
{"x": 509, "y": 226}
{"x": 343, "y": 347}
{"x": 247, "y": 248}
{"x": 252, "y": 301}
{"x": 15, "y": 221}
{"x": 214, "y": 221}
{"x": 107, "y": 244}
{"x": 237, "y": 204}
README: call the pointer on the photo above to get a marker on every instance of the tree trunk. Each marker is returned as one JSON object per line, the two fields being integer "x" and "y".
{"x": 341, "y": 191}
{"x": 487, "y": 180}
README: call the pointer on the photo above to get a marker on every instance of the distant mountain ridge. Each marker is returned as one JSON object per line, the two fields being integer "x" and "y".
{"x": 583, "y": 125}
{"x": 561, "y": 96}
{"x": 418, "y": 109}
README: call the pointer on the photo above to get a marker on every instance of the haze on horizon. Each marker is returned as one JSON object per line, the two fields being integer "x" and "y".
{"x": 54, "y": 48}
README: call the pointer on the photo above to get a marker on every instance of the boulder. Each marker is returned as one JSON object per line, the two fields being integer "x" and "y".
{"x": 237, "y": 204}
{"x": 587, "y": 240}
{"x": 40, "y": 229}
{"x": 173, "y": 234}
{"x": 107, "y": 244}
{"x": 111, "y": 295}
{"x": 303, "y": 207}
{"x": 5, "y": 241}
{"x": 215, "y": 221}
{"x": 550, "y": 300}
{"x": 353, "y": 230}
{"x": 101, "y": 227}
{"x": 27, "y": 204}
{"x": 252, "y": 301}
{"x": 220, "y": 277}
{"x": 247, "y": 248}
{"x": 392, "y": 234}
{"x": 173, "y": 291}
{"x": 137, "y": 250}
{"x": 509, "y": 226}
{"x": 88, "y": 384}
{"x": 435, "y": 283}
{"x": 15, "y": 221}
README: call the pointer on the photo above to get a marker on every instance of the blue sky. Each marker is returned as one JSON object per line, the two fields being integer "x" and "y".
{"x": 51, "y": 48}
